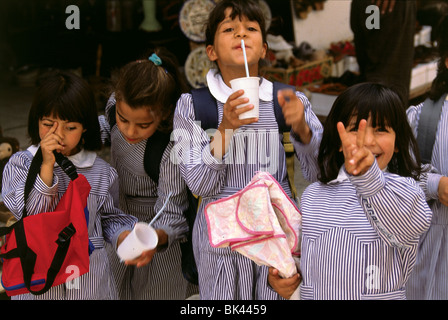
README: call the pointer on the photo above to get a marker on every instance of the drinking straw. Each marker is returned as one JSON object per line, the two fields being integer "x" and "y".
{"x": 161, "y": 209}
{"x": 245, "y": 57}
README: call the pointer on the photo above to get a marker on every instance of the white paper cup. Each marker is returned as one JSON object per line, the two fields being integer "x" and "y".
{"x": 143, "y": 237}
{"x": 250, "y": 85}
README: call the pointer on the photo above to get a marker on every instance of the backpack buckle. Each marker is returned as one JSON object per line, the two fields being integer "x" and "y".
{"x": 66, "y": 234}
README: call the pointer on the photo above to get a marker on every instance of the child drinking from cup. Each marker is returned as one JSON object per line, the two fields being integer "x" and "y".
{"x": 218, "y": 167}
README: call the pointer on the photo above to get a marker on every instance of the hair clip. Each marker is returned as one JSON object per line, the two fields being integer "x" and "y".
{"x": 155, "y": 59}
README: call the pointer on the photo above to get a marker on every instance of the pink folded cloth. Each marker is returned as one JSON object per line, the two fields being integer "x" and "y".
{"x": 260, "y": 221}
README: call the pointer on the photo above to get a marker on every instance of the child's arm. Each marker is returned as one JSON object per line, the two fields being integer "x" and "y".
{"x": 294, "y": 114}
{"x": 433, "y": 183}
{"x": 297, "y": 109}
{"x": 204, "y": 174}
{"x": 284, "y": 287}
{"x": 172, "y": 221}
{"x": 50, "y": 143}
{"x": 41, "y": 198}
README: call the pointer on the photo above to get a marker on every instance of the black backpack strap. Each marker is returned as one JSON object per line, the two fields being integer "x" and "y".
{"x": 282, "y": 126}
{"x": 155, "y": 147}
{"x": 208, "y": 115}
{"x": 427, "y": 127}
{"x": 205, "y": 108}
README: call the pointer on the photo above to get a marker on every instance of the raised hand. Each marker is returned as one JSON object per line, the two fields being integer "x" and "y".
{"x": 358, "y": 158}
{"x": 294, "y": 113}
{"x": 49, "y": 143}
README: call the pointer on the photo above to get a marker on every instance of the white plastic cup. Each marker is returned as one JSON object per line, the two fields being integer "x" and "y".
{"x": 142, "y": 238}
{"x": 250, "y": 85}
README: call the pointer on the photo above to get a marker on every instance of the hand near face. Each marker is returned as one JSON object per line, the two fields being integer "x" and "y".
{"x": 358, "y": 158}
{"x": 49, "y": 143}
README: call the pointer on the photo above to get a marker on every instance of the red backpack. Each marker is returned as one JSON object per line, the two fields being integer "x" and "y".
{"x": 50, "y": 248}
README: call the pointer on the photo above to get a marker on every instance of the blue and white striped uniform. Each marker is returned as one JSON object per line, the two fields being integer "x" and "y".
{"x": 106, "y": 221}
{"x": 141, "y": 197}
{"x": 430, "y": 277}
{"x": 224, "y": 274}
{"x": 360, "y": 235}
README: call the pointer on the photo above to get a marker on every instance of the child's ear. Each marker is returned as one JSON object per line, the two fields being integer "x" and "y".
{"x": 264, "y": 50}
{"x": 211, "y": 53}
{"x": 446, "y": 63}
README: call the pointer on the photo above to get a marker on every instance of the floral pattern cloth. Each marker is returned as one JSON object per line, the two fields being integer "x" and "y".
{"x": 260, "y": 221}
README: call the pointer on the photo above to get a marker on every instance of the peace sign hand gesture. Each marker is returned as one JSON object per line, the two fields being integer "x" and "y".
{"x": 358, "y": 158}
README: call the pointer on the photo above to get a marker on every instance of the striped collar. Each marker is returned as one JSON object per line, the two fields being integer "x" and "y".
{"x": 221, "y": 91}
{"x": 83, "y": 159}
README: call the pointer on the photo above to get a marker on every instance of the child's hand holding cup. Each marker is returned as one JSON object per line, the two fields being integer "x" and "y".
{"x": 250, "y": 85}
{"x": 142, "y": 238}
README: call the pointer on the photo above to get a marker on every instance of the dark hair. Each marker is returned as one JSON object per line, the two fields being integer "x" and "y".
{"x": 440, "y": 83}
{"x": 385, "y": 108}
{"x": 142, "y": 84}
{"x": 247, "y": 8}
{"x": 240, "y": 8}
{"x": 68, "y": 97}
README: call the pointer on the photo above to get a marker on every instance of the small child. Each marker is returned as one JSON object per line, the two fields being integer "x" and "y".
{"x": 361, "y": 223}
{"x": 63, "y": 118}
{"x": 139, "y": 116}
{"x": 428, "y": 281}
{"x": 218, "y": 167}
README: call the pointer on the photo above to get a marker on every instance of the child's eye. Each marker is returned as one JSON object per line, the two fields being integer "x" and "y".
{"x": 49, "y": 125}
{"x": 145, "y": 126}
{"x": 380, "y": 129}
{"x": 122, "y": 120}
{"x": 228, "y": 30}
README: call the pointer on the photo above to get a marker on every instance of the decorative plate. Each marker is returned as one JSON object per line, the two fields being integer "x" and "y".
{"x": 196, "y": 67}
{"x": 193, "y": 17}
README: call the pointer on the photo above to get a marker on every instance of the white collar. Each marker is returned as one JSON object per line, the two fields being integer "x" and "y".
{"x": 342, "y": 176}
{"x": 82, "y": 159}
{"x": 221, "y": 91}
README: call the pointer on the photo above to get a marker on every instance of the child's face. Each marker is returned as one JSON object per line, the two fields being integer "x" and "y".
{"x": 135, "y": 124}
{"x": 69, "y": 132}
{"x": 227, "y": 51}
{"x": 380, "y": 141}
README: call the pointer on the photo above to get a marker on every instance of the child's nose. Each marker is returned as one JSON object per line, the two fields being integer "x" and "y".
{"x": 240, "y": 32}
{"x": 60, "y": 130}
{"x": 131, "y": 131}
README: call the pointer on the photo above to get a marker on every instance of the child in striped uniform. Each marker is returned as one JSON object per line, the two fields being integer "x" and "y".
{"x": 362, "y": 222}
{"x": 138, "y": 116}
{"x": 429, "y": 280}
{"x": 63, "y": 118}
{"x": 218, "y": 167}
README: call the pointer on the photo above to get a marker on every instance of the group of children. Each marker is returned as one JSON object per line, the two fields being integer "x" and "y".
{"x": 367, "y": 229}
